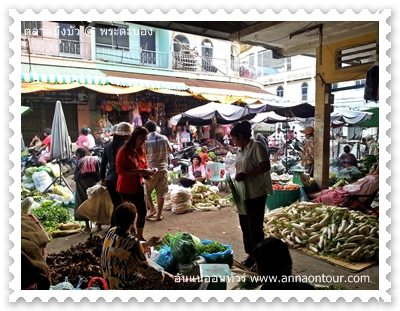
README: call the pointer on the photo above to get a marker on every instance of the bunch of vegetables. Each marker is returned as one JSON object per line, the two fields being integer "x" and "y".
{"x": 285, "y": 187}
{"x": 326, "y": 230}
{"x": 214, "y": 247}
{"x": 52, "y": 213}
{"x": 211, "y": 155}
{"x": 365, "y": 164}
{"x": 35, "y": 194}
{"x": 203, "y": 198}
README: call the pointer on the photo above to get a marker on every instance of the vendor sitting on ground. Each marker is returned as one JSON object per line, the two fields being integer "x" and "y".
{"x": 197, "y": 172}
{"x": 123, "y": 260}
{"x": 340, "y": 196}
{"x": 276, "y": 267}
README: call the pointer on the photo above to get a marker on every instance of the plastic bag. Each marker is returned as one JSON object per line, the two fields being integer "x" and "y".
{"x": 60, "y": 190}
{"x": 185, "y": 247}
{"x": 230, "y": 165}
{"x": 349, "y": 173}
{"x": 166, "y": 260}
{"x": 220, "y": 257}
{"x": 42, "y": 181}
{"x": 193, "y": 268}
{"x": 98, "y": 207}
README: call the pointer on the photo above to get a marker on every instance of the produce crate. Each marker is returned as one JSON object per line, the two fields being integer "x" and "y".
{"x": 282, "y": 198}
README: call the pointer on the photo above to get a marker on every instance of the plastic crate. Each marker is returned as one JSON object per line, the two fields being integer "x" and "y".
{"x": 282, "y": 198}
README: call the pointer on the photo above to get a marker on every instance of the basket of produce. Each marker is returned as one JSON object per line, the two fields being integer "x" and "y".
{"x": 215, "y": 252}
{"x": 283, "y": 196}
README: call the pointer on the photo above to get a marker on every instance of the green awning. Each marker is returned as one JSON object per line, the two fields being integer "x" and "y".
{"x": 69, "y": 75}
{"x": 374, "y": 121}
{"x": 61, "y": 75}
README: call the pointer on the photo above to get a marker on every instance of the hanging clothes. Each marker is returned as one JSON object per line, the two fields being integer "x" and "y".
{"x": 371, "y": 90}
{"x": 206, "y": 131}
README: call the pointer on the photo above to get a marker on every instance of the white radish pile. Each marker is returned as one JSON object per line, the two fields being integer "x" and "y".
{"x": 326, "y": 230}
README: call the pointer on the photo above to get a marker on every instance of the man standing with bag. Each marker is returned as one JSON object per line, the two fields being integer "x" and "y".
{"x": 157, "y": 150}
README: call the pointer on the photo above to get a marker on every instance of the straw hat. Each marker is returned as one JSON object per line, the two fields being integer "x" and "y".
{"x": 308, "y": 130}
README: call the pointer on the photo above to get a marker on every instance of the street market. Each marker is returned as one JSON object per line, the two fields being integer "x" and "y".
{"x": 316, "y": 190}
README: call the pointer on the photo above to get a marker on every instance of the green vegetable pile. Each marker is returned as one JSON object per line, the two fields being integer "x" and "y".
{"x": 185, "y": 247}
{"x": 51, "y": 213}
{"x": 249, "y": 284}
{"x": 366, "y": 163}
{"x": 214, "y": 247}
{"x": 35, "y": 194}
{"x": 211, "y": 155}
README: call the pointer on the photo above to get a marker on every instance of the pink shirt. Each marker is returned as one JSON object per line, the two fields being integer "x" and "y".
{"x": 83, "y": 142}
{"x": 199, "y": 168}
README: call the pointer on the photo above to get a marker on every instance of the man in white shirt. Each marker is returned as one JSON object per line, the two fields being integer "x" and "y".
{"x": 279, "y": 138}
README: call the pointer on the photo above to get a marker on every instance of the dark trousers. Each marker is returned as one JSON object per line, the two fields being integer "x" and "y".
{"x": 115, "y": 197}
{"x": 252, "y": 224}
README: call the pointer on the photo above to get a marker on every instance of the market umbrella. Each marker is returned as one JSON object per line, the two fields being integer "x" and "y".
{"x": 350, "y": 117}
{"x": 285, "y": 109}
{"x": 60, "y": 145}
{"x": 206, "y": 114}
{"x": 270, "y": 117}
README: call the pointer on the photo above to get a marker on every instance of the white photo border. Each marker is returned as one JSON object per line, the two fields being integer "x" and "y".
{"x": 384, "y": 92}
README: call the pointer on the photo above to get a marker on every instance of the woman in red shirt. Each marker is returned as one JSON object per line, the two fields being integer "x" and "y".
{"x": 132, "y": 167}
{"x": 204, "y": 155}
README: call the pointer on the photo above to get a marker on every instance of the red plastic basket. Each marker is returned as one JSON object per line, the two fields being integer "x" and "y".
{"x": 100, "y": 279}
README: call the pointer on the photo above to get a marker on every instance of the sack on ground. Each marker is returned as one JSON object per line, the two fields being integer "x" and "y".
{"x": 180, "y": 194}
{"x": 181, "y": 208}
{"x": 98, "y": 207}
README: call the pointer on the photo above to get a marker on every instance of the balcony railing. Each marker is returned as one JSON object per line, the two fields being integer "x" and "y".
{"x": 193, "y": 62}
{"x": 132, "y": 56}
{"x": 48, "y": 46}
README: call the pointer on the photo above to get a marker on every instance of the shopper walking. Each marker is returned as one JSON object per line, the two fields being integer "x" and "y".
{"x": 108, "y": 172}
{"x": 86, "y": 175}
{"x": 157, "y": 150}
{"x": 132, "y": 167}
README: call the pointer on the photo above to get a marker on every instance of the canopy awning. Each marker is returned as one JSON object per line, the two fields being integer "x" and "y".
{"x": 57, "y": 75}
{"x": 61, "y": 75}
{"x": 222, "y": 92}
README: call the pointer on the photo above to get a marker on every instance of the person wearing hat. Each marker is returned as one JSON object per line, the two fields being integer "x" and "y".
{"x": 308, "y": 154}
{"x": 108, "y": 173}
{"x": 197, "y": 172}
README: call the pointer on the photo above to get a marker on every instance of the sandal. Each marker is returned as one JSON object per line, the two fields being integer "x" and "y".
{"x": 84, "y": 230}
{"x": 151, "y": 215}
{"x": 160, "y": 218}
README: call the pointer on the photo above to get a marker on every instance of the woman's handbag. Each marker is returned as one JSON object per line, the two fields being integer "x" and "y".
{"x": 197, "y": 174}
